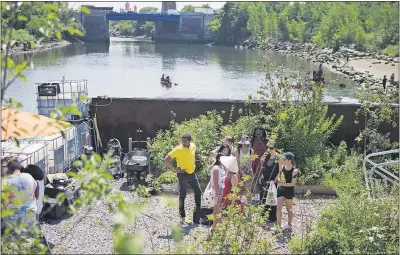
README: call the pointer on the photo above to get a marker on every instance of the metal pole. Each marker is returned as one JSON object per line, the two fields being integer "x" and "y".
{"x": 130, "y": 144}
{"x": 365, "y": 138}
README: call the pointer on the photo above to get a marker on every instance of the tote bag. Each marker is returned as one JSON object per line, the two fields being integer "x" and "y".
{"x": 210, "y": 197}
{"x": 272, "y": 195}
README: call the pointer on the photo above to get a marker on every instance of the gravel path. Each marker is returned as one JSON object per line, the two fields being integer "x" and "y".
{"x": 90, "y": 231}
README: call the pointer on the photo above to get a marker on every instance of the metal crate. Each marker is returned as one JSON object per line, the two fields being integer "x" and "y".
{"x": 62, "y": 93}
{"x": 83, "y": 136}
{"x": 28, "y": 154}
{"x": 56, "y": 148}
{"x": 72, "y": 145}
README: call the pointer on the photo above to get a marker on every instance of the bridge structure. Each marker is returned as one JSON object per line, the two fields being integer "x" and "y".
{"x": 184, "y": 27}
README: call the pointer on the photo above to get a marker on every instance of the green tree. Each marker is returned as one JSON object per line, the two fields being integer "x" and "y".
{"x": 229, "y": 25}
{"x": 368, "y": 25}
{"x": 188, "y": 8}
{"x": 148, "y": 9}
{"x": 257, "y": 24}
{"x": 148, "y": 28}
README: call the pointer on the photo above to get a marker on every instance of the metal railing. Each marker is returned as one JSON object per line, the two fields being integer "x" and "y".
{"x": 378, "y": 169}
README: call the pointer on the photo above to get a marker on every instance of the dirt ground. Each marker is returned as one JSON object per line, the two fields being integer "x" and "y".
{"x": 377, "y": 70}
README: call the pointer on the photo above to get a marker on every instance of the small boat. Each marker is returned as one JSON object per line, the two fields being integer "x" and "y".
{"x": 165, "y": 83}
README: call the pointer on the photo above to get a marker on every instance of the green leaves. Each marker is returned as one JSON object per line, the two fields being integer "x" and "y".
{"x": 130, "y": 244}
{"x": 177, "y": 233}
{"x": 74, "y": 31}
{"x": 85, "y": 10}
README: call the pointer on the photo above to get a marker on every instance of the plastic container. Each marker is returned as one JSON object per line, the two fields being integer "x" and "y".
{"x": 29, "y": 154}
{"x": 83, "y": 136}
{"x": 62, "y": 93}
{"x": 72, "y": 145}
{"x": 58, "y": 156}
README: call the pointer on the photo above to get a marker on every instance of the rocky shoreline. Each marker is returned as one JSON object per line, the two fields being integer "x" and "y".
{"x": 336, "y": 61}
{"x": 18, "y": 50}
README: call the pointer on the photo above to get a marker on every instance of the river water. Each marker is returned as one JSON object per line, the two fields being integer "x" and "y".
{"x": 129, "y": 68}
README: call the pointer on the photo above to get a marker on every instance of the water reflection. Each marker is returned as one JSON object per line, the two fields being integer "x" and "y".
{"x": 128, "y": 68}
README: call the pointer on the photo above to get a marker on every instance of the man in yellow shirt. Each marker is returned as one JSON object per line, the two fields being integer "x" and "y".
{"x": 185, "y": 156}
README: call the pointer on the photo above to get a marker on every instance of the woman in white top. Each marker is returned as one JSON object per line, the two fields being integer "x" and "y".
{"x": 243, "y": 156}
{"x": 217, "y": 178}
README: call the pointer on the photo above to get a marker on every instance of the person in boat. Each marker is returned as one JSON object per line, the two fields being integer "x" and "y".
{"x": 162, "y": 78}
{"x": 167, "y": 80}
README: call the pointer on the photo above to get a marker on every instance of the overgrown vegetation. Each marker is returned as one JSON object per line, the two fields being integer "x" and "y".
{"x": 204, "y": 130}
{"x": 167, "y": 177}
{"x": 368, "y": 25}
{"x": 301, "y": 126}
{"x": 353, "y": 223}
{"x": 36, "y": 21}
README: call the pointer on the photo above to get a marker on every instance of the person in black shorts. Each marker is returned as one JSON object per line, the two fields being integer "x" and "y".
{"x": 270, "y": 170}
{"x": 286, "y": 182}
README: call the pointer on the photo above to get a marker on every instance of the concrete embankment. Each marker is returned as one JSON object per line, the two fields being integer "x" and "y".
{"x": 124, "y": 116}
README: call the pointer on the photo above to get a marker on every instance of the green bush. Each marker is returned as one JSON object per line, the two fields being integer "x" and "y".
{"x": 167, "y": 177}
{"x": 300, "y": 123}
{"x": 353, "y": 223}
{"x": 304, "y": 128}
{"x": 205, "y": 134}
{"x": 324, "y": 163}
{"x": 391, "y": 51}
{"x": 19, "y": 35}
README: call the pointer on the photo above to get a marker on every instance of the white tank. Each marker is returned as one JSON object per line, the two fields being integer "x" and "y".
{"x": 57, "y": 148}
{"x": 29, "y": 154}
{"x": 62, "y": 93}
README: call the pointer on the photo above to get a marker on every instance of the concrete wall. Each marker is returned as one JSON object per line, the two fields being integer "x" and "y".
{"x": 191, "y": 28}
{"x": 191, "y": 25}
{"x": 124, "y": 116}
{"x": 96, "y": 26}
{"x": 165, "y": 6}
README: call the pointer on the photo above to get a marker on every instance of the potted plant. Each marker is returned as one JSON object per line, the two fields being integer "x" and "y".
{"x": 168, "y": 181}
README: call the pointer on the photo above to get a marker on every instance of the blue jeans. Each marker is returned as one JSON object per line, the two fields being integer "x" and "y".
{"x": 184, "y": 180}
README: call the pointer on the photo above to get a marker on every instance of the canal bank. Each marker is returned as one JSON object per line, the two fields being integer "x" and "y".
{"x": 121, "y": 117}
{"x": 361, "y": 67}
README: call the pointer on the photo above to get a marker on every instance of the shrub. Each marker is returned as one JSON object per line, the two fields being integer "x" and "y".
{"x": 19, "y": 35}
{"x": 167, "y": 177}
{"x": 142, "y": 191}
{"x": 205, "y": 134}
{"x": 391, "y": 51}
{"x": 353, "y": 223}
{"x": 326, "y": 162}
{"x": 299, "y": 121}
